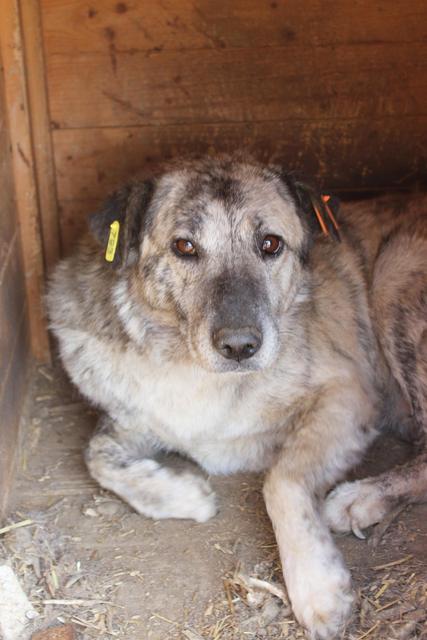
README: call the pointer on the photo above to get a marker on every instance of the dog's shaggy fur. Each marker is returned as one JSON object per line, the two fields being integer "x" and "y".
{"x": 337, "y": 339}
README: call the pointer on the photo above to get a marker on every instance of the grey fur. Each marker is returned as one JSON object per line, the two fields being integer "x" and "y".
{"x": 138, "y": 341}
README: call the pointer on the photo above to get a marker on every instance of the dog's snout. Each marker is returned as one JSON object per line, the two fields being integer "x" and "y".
{"x": 237, "y": 344}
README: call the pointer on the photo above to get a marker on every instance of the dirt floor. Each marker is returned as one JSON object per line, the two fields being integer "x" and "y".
{"x": 85, "y": 557}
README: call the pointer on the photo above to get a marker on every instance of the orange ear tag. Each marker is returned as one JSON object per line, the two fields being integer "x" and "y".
{"x": 329, "y": 212}
{"x": 320, "y": 218}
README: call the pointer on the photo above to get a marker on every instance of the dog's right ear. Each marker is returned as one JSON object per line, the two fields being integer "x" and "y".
{"x": 122, "y": 215}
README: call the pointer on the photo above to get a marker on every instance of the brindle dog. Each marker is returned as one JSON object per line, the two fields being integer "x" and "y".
{"x": 227, "y": 330}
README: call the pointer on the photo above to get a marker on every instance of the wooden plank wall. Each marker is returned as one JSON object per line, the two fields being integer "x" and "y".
{"x": 337, "y": 88}
{"x": 14, "y": 344}
{"x": 19, "y": 116}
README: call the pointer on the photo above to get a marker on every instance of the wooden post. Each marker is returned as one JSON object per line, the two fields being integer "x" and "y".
{"x": 40, "y": 129}
{"x": 27, "y": 204}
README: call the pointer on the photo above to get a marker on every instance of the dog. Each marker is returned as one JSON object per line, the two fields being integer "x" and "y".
{"x": 208, "y": 314}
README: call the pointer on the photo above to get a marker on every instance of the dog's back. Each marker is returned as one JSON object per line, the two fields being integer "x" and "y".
{"x": 395, "y": 247}
{"x": 390, "y": 236}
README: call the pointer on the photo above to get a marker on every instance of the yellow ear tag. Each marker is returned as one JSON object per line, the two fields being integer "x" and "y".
{"x": 113, "y": 239}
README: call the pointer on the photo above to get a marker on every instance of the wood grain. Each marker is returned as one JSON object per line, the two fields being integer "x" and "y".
{"x": 151, "y": 26}
{"x": 23, "y": 172}
{"x": 73, "y": 215}
{"x": 92, "y": 162}
{"x": 12, "y": 394}
{"x": 237, "y": 85}
{"x": 7, "y": 218}
{"x": 12, "y": 305}
{"x": 40, "y": 127}
{"x": 337, "y": 89}
{"x": 14, "y": 349}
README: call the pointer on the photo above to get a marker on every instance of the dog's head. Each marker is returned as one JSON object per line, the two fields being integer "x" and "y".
{"x": 219, "y": 247}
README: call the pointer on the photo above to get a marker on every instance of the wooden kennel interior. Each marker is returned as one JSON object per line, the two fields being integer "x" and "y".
{"x": 92, "y": 90}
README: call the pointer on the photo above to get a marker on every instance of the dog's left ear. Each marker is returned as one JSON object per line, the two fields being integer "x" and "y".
{"x": 319, "y": 210}
{"x": 118, "y": 225}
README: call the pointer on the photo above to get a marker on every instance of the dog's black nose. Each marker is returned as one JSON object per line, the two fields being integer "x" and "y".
{"x": 237, "y": 344}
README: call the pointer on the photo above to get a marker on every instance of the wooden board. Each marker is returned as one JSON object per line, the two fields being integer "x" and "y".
{"x": 40, "y": 129}
{"x": 92, "y": 162}
{"x": 152, "y": 26}
{"x": 12, "y": 306}
{"x": 23, "y": 172}
{"x": 337, "y": 89}
{"x": 12, "y": 285}
{"x": 73, "y": 216}
{"x": 7, "y": 218}
{"x": 11, "y": 404}
{"x": 14, "y": 349}
{"x": 237, "y": 85}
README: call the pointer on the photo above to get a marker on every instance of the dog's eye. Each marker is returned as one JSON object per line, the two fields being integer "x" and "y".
{"x": 186, "y": 248}
{"x": 271, "y": 245}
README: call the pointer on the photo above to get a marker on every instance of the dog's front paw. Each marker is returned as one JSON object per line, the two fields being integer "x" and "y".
{"x": 181, "y": 495}
{"x": 321, "y": 597}
{"x": 353, "y": 506}
{"x": 199, "y": 501}
{"x": 156, "y": 491}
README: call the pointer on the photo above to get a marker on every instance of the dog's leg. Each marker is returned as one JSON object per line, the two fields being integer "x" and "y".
{"x": 329, "y": 441}
{"x": 360, "y": 504}
{"x": 128, "y": 469}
